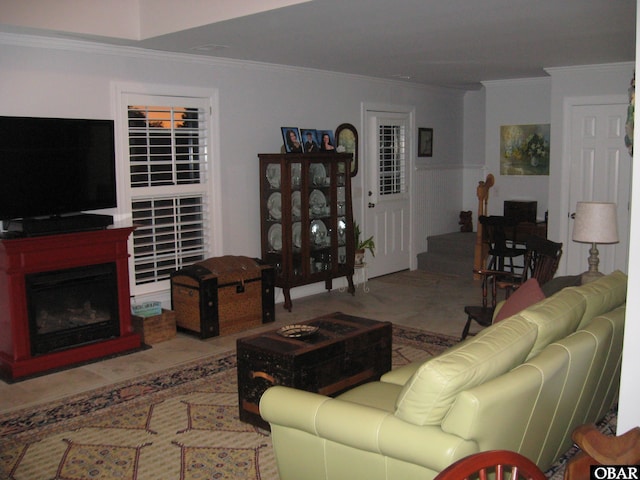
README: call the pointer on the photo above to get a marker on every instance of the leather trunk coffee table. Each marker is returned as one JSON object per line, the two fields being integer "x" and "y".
{"x": 345, "y": 351}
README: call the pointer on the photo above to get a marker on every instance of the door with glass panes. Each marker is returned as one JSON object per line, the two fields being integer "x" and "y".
{"x": 387, "y": 198}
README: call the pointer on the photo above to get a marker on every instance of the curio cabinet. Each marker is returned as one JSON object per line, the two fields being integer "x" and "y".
{"x": 307, "y": 218}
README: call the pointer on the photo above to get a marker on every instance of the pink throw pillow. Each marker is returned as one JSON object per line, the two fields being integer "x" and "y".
{"x": 526, "y": 295}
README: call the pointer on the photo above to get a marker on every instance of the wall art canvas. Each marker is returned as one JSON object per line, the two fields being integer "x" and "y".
{"x": 524, "y": 149}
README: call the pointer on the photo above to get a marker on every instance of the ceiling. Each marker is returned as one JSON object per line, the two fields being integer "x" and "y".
{"x": 453, "y": 43}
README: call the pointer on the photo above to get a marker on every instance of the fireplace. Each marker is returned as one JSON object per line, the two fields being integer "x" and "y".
{"x": 64, "y": 300}
{"x": 72, "y": 307}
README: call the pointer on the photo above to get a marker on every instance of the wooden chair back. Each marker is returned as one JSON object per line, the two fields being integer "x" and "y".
{"x": 541, "y": 259}
{"x": 494, "y": 464}
{"x": 497, "y": 229}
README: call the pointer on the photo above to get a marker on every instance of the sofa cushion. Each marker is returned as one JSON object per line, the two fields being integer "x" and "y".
{"x": 556, "y": 284}
{"x": 432, "y": 389}
{"x": 554, "y": 317}
{"x": 526, "y": 295}
{"x": 603, "y": 295}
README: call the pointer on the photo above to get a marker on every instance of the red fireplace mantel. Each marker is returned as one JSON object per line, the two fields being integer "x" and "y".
{"x": 23, "y": 256}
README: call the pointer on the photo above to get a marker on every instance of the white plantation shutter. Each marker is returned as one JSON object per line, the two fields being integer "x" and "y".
{"x": 171, "y": 234}
{"x": 167, "y": 145}
{"x": 391, "y": 160}
{"x": 168, "y": 158}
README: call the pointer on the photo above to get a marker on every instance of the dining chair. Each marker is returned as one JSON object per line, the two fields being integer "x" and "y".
{"x": 541, "y": 259}
{"x": 497, "y": 230}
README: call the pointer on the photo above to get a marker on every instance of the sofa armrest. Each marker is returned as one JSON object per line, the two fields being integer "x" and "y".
{"x": 361, "y": 427}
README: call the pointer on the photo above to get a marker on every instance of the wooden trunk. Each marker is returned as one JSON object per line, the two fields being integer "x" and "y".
{"x": 223, "y": 295}
{"x": 346, "y": 351}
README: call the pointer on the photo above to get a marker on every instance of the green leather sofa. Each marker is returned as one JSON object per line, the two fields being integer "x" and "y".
{"x": 522, "y": 384}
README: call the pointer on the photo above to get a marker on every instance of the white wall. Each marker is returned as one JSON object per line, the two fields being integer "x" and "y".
{"x": 74, "y": 79}
{"x": 474, "y": 148}
{"x": 569, "y": 84}
{"x": 628, "y": 411}
{"x": 515, "y": 102}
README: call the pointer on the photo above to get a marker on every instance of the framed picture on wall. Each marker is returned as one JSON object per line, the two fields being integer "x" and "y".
{"x": 524, "y": 149}
{"x": 425, "y": 142}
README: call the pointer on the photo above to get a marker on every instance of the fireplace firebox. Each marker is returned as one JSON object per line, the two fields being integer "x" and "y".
{"x": 72, "y": 307}
{"x": 64, "y": 300}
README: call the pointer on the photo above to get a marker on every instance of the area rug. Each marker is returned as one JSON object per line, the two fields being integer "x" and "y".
{"x": 181, "y": 423}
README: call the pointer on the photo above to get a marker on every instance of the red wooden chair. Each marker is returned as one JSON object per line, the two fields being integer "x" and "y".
{"x": 494, "y": 464}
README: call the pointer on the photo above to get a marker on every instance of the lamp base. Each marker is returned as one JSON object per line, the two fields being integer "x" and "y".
{"x": 593, "y": 273}
{"x": 590, "y": 277}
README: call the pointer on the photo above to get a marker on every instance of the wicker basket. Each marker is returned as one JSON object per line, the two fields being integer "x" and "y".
{"x": 155, "y": 329}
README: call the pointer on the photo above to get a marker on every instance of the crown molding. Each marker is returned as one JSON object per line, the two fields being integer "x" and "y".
{"x": 591, "y": 68}
{"x": 517, "y": 81}
{"x": 91, "y": 47}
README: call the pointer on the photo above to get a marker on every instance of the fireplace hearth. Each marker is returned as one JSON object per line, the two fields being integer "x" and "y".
{"x": 64, "y": 300}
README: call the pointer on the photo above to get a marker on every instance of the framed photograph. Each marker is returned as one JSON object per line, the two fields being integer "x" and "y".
{"x": 310, "y": 142}
{"x": 347, "y": 141}
{"x": 291, "y": 137}
{"x": 327, "y": 141}
{"x": 425, "y": 142}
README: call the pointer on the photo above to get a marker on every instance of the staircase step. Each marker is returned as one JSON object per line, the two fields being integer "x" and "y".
{"x": 458, "y": 244}
{"x": 451, "y": 253}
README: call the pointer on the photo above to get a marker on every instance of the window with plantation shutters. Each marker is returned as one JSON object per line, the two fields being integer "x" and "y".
{"x": 168, "y": 155}
{"x": 391, "y": 159}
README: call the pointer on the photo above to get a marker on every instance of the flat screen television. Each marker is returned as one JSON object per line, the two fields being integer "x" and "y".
{"x": 53, "y": 167}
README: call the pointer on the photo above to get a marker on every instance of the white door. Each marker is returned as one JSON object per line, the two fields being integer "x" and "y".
{"x": 387, "y": 177}
{"x": 600, "y": 172}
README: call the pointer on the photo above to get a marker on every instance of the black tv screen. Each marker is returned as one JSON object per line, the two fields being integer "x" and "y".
{"x": 55, "y": 166}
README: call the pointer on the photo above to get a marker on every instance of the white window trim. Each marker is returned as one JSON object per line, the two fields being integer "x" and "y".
{"x": 123, "y": 215}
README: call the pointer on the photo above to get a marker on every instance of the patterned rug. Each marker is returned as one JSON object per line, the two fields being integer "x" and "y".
{"x": 181, "y": 423}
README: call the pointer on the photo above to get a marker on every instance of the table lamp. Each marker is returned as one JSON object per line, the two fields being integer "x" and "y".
{"x": 595, "y": 222}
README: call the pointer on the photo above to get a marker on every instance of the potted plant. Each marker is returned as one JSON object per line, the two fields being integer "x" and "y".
{"x": 362, "y": 245}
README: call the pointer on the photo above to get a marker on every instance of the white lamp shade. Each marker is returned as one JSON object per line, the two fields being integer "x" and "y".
{"x": 596, "y": 222}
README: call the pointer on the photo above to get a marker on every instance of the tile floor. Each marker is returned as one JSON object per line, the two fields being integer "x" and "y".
{"x": 418, "y": 299}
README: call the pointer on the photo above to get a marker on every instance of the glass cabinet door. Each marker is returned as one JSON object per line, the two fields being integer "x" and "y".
{"x": 343, "y": 225}
{"x": 296, "y": 203}
{"x": 271, "y": 213}
{"x": 320, "y": 216}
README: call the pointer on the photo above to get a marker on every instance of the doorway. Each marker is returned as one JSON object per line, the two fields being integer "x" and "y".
{"x": 387, "y": 181}
{"x": 600, "y": 172}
